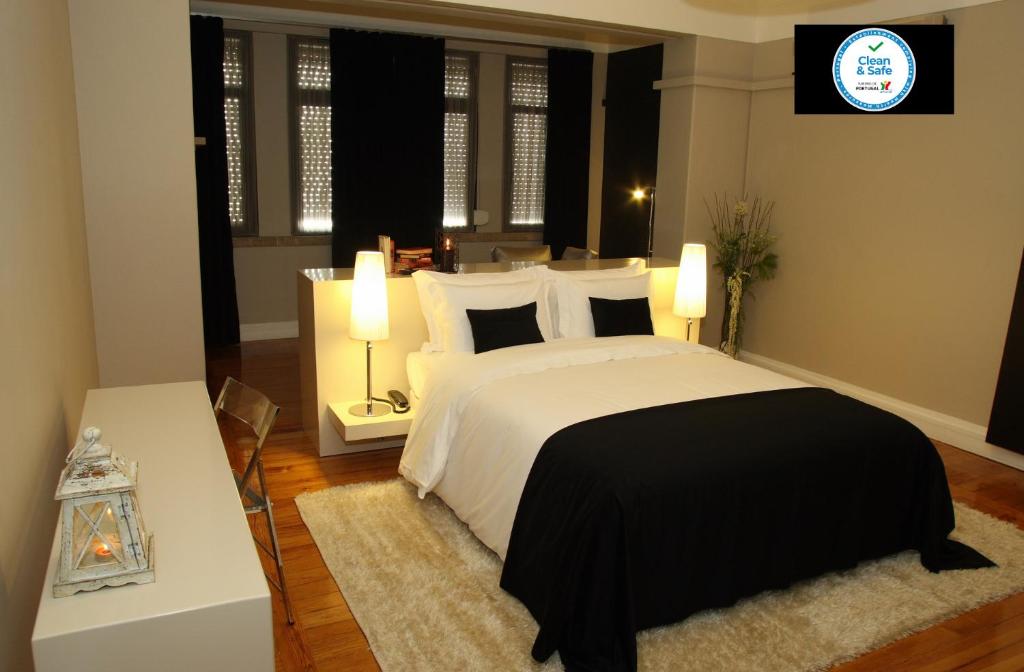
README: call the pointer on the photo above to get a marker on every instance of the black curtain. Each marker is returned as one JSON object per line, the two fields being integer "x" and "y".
{"x": 1006, "y": 425}
{"x": 387, "y": 134}
{"x": 567, "y": 170}
{"x": 216, "y": 256}
{"x": 632, "y": 112}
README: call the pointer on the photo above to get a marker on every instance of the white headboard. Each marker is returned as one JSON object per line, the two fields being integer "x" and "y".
{"x": 333, "y": 365}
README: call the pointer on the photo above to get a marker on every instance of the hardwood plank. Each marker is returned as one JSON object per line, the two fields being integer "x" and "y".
{"x": 964, "y": 648}
{"x": 326, "y": 636}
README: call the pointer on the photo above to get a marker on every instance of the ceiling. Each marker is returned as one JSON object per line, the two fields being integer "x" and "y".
{"x": 598, "y": 25}
{"x": 449, "y": 21}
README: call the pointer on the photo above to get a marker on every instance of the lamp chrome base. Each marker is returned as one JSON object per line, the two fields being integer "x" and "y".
{"x": 361, "y": 411}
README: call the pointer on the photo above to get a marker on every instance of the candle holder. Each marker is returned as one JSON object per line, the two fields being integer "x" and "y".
{"x": 103, "y": 539}
{"x": 447, "y": 252}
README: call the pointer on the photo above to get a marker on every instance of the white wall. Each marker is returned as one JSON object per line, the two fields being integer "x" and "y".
{"x": 490, "y": 165}
{"x": 47, "y": 335}
{"x": 265, "y": 280}
{"x": 702, "y": 149}
{"x": 271, "y": 129}
{"x": 899, "y": 236}
{"x": 133, "y": 86}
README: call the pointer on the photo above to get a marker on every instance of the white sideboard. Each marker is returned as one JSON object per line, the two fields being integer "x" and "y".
{"x": 209, "y": 608}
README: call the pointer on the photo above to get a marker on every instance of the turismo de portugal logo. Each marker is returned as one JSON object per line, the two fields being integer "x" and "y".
{"x": 874, "y": 69}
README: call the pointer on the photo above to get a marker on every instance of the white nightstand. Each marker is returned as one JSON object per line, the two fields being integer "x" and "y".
{"x": 355, "y": 429}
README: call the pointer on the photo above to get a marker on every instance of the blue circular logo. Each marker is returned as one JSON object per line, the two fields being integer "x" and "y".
{"x": 874, "y": 69}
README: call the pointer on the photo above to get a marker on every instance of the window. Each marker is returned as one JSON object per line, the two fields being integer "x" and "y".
{"x": 459, "y": 138}
{"x": 238, "y": 126}
{"x": 526, "y": 133}
{"x": 309, "y": 68}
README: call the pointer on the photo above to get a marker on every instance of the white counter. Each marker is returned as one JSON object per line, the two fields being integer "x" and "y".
{"x": 209, "y": 608}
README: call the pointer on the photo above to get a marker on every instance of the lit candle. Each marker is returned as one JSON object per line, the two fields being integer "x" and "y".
{"x": 447, "y": 264}
{"x": 102, "y": 552}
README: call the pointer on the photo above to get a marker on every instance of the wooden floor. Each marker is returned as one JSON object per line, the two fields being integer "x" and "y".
{"x": 326, "y": 637}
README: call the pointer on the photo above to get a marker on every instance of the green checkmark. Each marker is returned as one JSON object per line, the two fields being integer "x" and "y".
{"x": 877, "y": 46}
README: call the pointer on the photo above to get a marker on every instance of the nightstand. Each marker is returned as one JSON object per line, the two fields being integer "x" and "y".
{"x": 390, "y": 429}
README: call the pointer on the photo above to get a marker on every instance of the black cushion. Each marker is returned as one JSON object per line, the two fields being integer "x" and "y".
{"x": 621, "y": 317}
{"x": 504, "y": 327}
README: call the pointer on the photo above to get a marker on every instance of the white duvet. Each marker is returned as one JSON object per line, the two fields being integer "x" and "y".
{"x": 484, "y": 418}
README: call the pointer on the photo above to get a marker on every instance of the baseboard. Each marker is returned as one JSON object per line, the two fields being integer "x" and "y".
{"x": 265, "y": 331}
{"x": 939, "y": 426}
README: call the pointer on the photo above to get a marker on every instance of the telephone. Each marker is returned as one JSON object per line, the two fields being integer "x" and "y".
{"x": 398, "y": 401}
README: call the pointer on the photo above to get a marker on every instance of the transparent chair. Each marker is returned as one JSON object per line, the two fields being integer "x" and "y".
{"x": 578, "y": 253}
{"x": 538, "y": 253}
{"x": 252, "y": 407}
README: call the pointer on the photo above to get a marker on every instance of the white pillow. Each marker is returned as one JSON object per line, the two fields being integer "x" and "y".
{"x": 451, "y": 302}
{"x": 424, "y": 279}
{"x": 607, "y": 273}
{"x": 573, "y": 296}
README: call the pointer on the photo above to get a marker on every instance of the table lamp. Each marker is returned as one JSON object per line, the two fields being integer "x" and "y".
{"x": 369, "y": 320}
{"x": 692, "y": 285}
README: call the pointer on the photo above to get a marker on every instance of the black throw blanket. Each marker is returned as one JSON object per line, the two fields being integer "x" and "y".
{"x": 643, "y": 518}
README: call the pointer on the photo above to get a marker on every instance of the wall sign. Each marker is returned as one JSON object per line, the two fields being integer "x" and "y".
{"x": 874, "y": 69}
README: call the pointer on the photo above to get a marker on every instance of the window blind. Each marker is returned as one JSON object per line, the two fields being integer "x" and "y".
{"x": 311, "y": 131}
{"x": 459, "y": 138}
{"x": 527, "y": 130}
{"x": 237, "y": 127}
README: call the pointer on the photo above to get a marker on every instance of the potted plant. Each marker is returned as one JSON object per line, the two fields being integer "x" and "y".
{"x": 742, "y": 238}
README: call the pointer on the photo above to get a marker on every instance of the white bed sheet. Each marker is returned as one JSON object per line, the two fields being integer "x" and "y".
{"x": 417, "y": 368}
{"x": 420, "y": 366}
{"x": 483, "y": 419}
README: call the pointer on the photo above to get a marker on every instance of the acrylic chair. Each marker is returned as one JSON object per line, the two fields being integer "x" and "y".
{"x": 573, "y": 253}
{"x": 538, "y": 253}
{"x": 254, "y": 409}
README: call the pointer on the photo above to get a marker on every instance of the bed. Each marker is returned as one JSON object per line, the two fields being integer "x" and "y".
{"x": 630, "y": 481}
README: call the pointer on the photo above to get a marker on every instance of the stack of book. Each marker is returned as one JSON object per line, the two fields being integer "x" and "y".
{"x": 409, "y": 259}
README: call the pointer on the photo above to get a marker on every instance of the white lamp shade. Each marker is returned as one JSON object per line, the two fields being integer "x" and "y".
{"x": 692, "y": 284}
{"x": 369, "y": 319}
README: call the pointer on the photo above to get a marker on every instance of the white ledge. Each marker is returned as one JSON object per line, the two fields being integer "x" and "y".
{"x": 724, "y": 83}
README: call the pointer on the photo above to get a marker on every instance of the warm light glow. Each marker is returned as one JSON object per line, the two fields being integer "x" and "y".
{"x": 102, "y": 552}
{"x": 315, "y": 225}
{"x": 692, "y": 284}
{"x": 639, "y": 194}
{"x": 369, "y": 318}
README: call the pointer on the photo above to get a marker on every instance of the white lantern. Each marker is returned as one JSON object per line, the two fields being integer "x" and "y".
{"x": 103, "y": 541}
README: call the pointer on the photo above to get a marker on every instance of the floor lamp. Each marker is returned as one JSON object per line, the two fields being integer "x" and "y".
{"x": 369, "y": 320}
{"x": 640, "y": 194}
{"x": 692, "y": 285}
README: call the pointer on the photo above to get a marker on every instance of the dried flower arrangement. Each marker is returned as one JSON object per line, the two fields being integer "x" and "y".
{"x": 741, "y": 235}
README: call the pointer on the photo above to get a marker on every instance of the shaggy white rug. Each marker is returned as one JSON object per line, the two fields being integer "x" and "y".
{"x": 425, "y": 592}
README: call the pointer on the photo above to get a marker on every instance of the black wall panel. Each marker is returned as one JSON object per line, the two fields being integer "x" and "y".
{"x": 632, "y": 115}
{"x": 1006, "y": 426}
